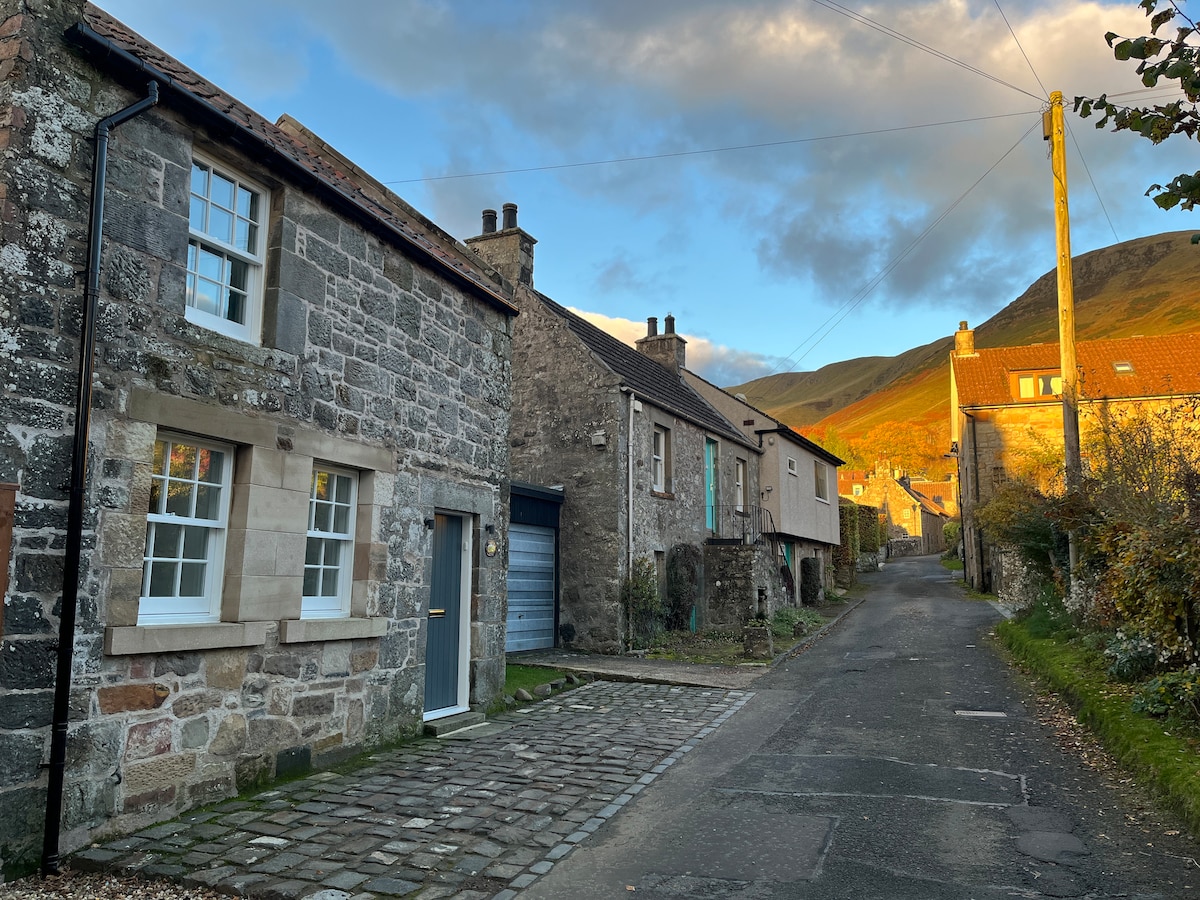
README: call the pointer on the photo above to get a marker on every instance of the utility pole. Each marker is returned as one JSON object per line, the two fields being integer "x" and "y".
{"x": 1053, "y": 130}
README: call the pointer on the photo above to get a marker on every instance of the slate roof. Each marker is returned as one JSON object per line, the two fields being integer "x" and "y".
{"x": 115, "y": 44}
{"x": 648, "y": 379}
{"x": 1162, "y": 365}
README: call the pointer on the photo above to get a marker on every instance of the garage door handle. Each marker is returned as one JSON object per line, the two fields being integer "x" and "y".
{"x": 436, "y": 613}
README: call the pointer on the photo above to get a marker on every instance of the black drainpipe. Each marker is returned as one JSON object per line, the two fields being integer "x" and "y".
{"x": 83, "y": 411}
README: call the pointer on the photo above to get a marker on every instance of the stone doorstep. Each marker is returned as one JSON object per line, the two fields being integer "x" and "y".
{"x": 451, "y": 724}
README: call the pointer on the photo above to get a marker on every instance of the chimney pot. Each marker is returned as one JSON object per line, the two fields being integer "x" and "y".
{"x": 489, "y": 221}
{"x": 510, "y": 215}
{"x": 652, "y": 326}
{"x": 669, "y": 324}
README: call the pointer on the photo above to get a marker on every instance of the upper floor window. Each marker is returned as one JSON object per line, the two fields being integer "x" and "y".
{"x": 660, "y": 458}
{"x": 739, "y": 484}
{"x": 329, "y": 555}
{"x": 1031, "y": 386}
{"x": 791, "y": 467}
{"x": 225, "y": 253}
{"x": 183, "y": 564}
{"x": 821, "y": 480}
{"x": 856, "y": 490}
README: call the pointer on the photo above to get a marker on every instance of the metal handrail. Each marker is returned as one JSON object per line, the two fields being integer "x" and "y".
{"x": 745, "y": 522}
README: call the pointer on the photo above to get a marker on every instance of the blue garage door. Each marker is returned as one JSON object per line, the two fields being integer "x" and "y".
{"x": 530, "y": 587}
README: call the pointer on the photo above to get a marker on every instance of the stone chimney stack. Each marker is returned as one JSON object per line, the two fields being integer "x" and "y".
{"x": 509, "y": 250}
{"x": 667, "y": 349}
{"x": 964, "y": 340}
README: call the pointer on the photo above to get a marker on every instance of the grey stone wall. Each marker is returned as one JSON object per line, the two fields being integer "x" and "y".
{"x": 571, "y": 426}
{"x": 365, "y": 352}
{"x": 740, "y": 582}
{"x": 562, "y": 398}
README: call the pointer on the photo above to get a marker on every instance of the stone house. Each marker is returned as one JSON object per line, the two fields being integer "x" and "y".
{"x": 1006, "y": 419}
{"x": 797, "y": 493}
{"x": 915, "y": 521}
{"x": 647, "y": 469}
{"x": 288, "y": 459}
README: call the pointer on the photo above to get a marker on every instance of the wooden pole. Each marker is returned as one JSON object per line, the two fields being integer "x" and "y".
{"x": 1055, "y": 133}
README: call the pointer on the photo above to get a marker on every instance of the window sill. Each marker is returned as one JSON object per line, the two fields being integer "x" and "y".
{"x": 127, "y": 640}
{"x": 296, "y": 631}
{"x": 663, "y": 495}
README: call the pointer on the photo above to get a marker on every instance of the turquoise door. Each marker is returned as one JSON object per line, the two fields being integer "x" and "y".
{"x": 710, "y": 483}
{"x": 442, "y": 648}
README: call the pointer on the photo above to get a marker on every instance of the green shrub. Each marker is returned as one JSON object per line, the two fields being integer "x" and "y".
{"x": 1173, "y": 693}
{"x": 1131, "y": 656}
{"x": 1046, "y": 616}
{"x": 845, "y": 554}
{"x": 683, "y": 586}
{"x": 643, "y": 607}
{"x": 952, "y": 532}
{"x": 783, "y": 623}
{"x": 810, "y": 580}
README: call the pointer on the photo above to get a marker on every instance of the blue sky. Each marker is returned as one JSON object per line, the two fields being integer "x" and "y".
{"x": 850, "y": 221}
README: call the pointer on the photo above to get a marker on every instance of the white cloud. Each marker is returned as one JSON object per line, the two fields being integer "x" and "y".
{"x": 721, "y": 365}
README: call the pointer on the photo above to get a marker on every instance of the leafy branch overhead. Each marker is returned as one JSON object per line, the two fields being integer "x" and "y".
{"x": 1174, "y": 59}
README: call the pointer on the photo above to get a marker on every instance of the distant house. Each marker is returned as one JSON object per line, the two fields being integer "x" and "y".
{"x": 1006, "y": 411}
{"x": 798, "y": 492}
{"x": 298, "y": 383}
{"x": 914, "y": 520}
{"x": 650, "y": 473}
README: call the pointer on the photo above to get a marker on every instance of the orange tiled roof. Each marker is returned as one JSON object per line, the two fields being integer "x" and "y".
{"x": 1161, "y": 365}
{"x": 105, "y": 33}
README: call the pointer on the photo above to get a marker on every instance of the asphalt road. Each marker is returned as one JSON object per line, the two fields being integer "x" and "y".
{"x": 898, "y": 758}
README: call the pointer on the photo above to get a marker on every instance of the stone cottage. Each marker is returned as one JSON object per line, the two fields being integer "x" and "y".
{"x": 1006, "y": 415}
{"x": 651, "y": 475}
{"x": 915, "y": 521}
{"x": 287, "y": 465}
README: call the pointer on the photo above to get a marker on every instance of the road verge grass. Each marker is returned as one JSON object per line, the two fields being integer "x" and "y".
{"x": 1161, "y": 754}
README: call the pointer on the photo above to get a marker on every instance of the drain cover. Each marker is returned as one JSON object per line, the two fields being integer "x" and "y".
{"x": 981, "y": 713}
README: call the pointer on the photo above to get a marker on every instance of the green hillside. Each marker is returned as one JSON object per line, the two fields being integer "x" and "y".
{"x": 1147, "y": 286}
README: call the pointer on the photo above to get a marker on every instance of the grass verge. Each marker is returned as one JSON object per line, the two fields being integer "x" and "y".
{"x": 528, "y": 677}
{"x": 1159, "y": 754}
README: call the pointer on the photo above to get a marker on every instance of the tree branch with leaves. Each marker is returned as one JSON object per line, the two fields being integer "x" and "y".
{"x": 1160, "y": 58}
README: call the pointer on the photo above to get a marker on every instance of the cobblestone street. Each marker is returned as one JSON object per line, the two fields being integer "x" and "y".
{"x": 469, "y": 817}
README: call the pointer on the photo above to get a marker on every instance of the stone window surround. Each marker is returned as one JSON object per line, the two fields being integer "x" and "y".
{"x": 264, "y": 564}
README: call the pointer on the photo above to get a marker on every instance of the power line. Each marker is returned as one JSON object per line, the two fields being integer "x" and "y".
{"x": 1095, "y": 188}
{"x": 848, "y": 306}
{"x": 1017, "y": 41}
{"x": 913, "y": 42}
{"x": 706, "y": 150}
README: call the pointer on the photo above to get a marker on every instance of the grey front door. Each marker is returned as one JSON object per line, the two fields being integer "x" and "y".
{"x": 442, "y": 663}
